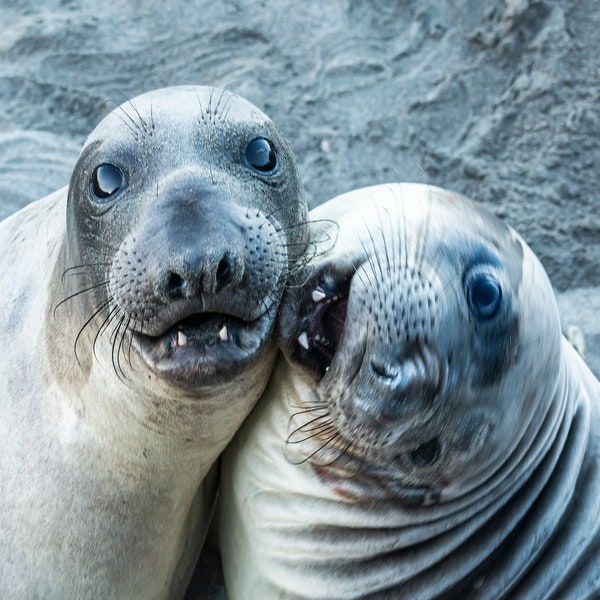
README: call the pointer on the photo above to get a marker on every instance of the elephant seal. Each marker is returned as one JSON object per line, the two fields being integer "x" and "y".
{"x": 139, "y": 305}
{"x": 429, "y": 434}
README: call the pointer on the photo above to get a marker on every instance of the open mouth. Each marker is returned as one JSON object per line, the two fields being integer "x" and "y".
{"x": 204, "y": 342}
{"x": 321, "y": 323}
{"x": 203, "y": 330}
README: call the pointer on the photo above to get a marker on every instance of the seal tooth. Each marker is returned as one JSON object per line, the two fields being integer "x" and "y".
{"x": 181, "y": 338}
{"x": 303, "y": 340}
{"x": 223, "y": 333}
{"x": 318, "y": 295}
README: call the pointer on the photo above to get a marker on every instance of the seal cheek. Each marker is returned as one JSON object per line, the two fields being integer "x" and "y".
{"x": 496, "y": 349}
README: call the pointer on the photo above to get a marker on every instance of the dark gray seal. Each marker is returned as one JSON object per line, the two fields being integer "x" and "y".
{"x": 138, "y": 313}
{"x": 430, "y": 433}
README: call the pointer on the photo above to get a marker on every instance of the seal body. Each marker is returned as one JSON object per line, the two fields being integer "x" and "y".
{"x": 139, "y": 308}
{"x": 429, "y": 433}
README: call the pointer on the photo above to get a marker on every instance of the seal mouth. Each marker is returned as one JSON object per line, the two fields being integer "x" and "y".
{"x": 207, "y": 342}
{"x": 321, "y": 321}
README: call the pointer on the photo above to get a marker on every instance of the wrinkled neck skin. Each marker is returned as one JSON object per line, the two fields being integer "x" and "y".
{"x": 511, "y": 534}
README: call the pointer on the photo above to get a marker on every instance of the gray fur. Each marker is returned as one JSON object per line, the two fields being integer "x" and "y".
{"x": 443, "y": 454}
{"x": 108, "y": 448}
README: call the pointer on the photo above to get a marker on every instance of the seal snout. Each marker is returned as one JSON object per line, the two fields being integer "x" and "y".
{"x": 390, "y": 391}
{"x": 209, "y": 276}
{"x": 195, "y": 303}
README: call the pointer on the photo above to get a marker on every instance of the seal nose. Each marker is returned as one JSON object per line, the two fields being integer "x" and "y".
{"x": 225, "y": 271}
{"x": 207, "y": 274}
{"x": 175, "y": 287}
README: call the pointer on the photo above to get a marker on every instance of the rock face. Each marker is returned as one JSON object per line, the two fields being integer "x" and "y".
{"x": 497, "y": 99}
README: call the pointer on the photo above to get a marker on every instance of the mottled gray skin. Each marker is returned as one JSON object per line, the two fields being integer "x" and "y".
{"x": 111, "y": 419}
{"x": 450, "y": 450}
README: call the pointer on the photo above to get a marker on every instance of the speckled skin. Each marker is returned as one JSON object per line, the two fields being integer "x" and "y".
{"x": 444, "y": 453}
{"x": 110, "y": 428}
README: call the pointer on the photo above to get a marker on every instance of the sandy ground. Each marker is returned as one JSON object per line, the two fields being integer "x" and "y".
{"x": 498, "y": 99}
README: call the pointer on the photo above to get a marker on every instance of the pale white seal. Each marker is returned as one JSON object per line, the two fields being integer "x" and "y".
{"x": 138, "y": 307}
{"x": 430, "y": 433}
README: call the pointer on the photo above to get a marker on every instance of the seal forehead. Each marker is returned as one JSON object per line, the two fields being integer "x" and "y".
{"x": 178, "y": 107}
{"x": 433, "y": 219}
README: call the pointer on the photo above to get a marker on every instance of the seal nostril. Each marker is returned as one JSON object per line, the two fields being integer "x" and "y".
{"x": 175, "y": 286}
{"x": 224, "y": 271}
{"x": 380, "y": 370}
{"x": 426, "y": 454}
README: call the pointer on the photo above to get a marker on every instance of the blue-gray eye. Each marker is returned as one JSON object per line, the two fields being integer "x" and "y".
{"x": 485, "y": 296}
{"x": 107, "y": 180}
{"x": 261, "y": 156}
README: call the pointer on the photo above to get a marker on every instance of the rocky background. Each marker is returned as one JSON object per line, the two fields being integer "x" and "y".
{"x": 497, "y": 99}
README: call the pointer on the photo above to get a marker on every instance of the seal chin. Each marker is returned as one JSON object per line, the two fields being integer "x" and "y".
{"x": 204, "y": 347}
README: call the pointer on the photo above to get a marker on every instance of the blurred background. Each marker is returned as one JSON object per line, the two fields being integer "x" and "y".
{"x": 496, "y": 99}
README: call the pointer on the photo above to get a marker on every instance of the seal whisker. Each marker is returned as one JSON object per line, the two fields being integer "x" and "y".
{"x": 121, "y": 346}
{"x": 325, "y": 429}
{"x": 342, "y": 451}
{"x": 115, "y": 348}
{"x": 301, "y": 410}
{"x": 83, "y": 291}
{"x": 315, "y": 429}
{"x": 105, "y": 324}
{"x": 224, "y": 100}
{"x": 128, "y": 124}
{"x": 131, "y": 331}
{"x": 102, "y": 306}
{"x": 374, "y": 251}
{"x": 319, "y": 449}
{"x": 142, "y": 125}
{"x": 403, "y": 247}
{"x": 83, "y": 267}
{"x": 310, "y": 421}
{"x": 382, "y": 230}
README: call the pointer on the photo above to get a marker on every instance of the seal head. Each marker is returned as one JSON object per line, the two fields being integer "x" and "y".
{"x": 414, "y": 329}
{"x": 429, "y": 433}
{"x": 184, "y": 213}
{"x": 144, "y": 299}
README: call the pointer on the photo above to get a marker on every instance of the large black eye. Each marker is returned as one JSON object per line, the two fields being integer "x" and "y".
{"x": 485, "y": 295}
{"x": 261, "y": 156}
{"x": 106, "y": 181}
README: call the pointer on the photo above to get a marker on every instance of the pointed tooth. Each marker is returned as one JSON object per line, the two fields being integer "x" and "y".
{"x": 318, "y": 295}
{"x": 181, "y": 339}
{"x": 223, "y": 333}
{"x": 303, "y": 340}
